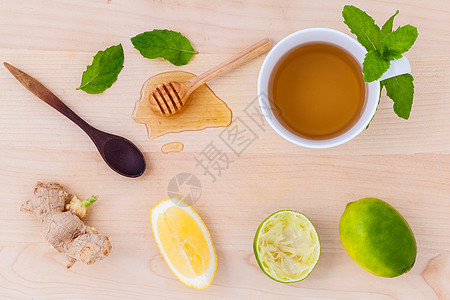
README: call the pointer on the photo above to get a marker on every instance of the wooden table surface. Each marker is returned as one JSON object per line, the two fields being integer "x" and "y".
{"x": 406, "y": 163}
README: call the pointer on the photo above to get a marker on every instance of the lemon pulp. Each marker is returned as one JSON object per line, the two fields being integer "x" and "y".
{"x": 183, "y": 242}
{"x": 287, "y": 246}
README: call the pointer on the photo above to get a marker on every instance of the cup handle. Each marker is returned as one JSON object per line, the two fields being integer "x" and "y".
{"x": 398, "y": 67}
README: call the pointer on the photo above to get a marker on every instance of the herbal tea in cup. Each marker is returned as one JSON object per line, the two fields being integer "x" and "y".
{"x": 319, "y": 89}
{"x": 311, "y": 88}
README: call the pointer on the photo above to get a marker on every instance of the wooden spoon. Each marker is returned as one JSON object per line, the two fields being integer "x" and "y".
{"x": 120, "y": 154}
{"x": 168, "y": 98}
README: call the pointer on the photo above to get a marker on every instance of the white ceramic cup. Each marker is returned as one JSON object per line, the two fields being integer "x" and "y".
{"x": 344, "y": 41}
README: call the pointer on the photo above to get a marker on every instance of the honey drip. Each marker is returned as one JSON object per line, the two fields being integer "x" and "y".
{"x": 203, "y": 109}
{"x": 172, "y": 147}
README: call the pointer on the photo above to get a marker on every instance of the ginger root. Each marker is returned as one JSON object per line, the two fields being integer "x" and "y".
{"x": 63, "y": 227}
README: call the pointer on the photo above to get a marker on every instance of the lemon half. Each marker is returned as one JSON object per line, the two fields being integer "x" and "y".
{"x": 287, "y": 246}
{"x": 184, "y": 242}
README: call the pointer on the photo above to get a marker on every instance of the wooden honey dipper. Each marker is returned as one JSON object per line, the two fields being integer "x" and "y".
{"x": 169, "y": 97}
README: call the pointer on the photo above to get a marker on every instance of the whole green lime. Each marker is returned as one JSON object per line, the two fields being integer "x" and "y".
{"x": 377, "y": 237}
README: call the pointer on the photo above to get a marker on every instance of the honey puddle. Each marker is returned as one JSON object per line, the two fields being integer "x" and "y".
{"x": 172, "y": 147}
{"x": 203, "y": 109}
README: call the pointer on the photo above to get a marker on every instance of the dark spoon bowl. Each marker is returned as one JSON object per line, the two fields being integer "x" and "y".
{"x": 123, "y": 156}
{"x": 120, "y": 154}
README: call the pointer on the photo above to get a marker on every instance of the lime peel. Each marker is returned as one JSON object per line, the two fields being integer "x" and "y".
{"x": 287, "y": 246}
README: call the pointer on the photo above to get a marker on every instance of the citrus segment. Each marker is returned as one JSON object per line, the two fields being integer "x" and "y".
{"x": 287, "y": 246}
{"x": 184, "y": 242}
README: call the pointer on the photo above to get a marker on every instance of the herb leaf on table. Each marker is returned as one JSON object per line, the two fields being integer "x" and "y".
{"x": 102, "y": 73}
{"x": 168, "y": 44}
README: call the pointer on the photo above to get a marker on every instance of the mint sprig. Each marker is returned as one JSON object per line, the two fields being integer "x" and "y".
{"x": 383, "y": 46}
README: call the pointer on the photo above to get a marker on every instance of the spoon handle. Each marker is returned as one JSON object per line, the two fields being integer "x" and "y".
{"x": 236, "y": 60}
{"x": 48, "y": 97}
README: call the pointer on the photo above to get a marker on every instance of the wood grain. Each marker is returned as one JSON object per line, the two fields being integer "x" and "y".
{"x": 406, "y": 163}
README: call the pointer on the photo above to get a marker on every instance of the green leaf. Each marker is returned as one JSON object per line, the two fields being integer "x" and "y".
{"x": 398, "y": 42}
{"x": 392, "y": 55}
{"x": 387, "y": 27}
{"x": 363, "y": 26}
{"x": 102, "y": 73}
{"x": 171, "y": 45}
{"x": 383, "y": 45}
{"x": 374, "y": 66}
{"x": 401, "y": 90}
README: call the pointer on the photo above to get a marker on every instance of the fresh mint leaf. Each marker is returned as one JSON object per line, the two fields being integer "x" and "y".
{"x": 392, "y": 55}
{"x": 170, "y": 45}
{"x": 374, "y": 66}
{"x": 401, "y": 90}
{"x": 387, "y": 27}
{"x": 102, "y": 73}
{"x": 363, "y": 26}
{"x": 398, "y": 42}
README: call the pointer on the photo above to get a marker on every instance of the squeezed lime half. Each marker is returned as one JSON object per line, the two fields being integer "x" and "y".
{"x": 287, "y": 246}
